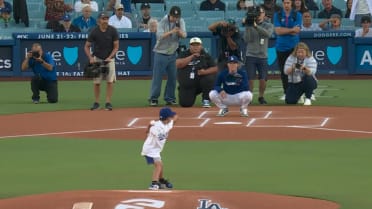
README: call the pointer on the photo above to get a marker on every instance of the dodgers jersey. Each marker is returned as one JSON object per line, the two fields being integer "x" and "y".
{"x": 156, "y": 139}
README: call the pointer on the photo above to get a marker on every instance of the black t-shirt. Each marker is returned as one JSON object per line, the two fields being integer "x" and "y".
{"x": 204, "y": 61}
{"x": 224, "y": 50}
{"x": 103, "y": 42}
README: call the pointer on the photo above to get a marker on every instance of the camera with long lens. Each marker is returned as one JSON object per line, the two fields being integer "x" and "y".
{"x": 228, "y": 29}
{"x": 251, "y": 16}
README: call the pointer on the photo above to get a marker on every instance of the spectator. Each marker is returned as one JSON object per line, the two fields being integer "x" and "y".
{"x": 5, "y": 11}
{"x": 85, "y": 22}
{"x": 287, "y": 24}
{"x": 300, "y": 67}
{"x": 196, "y": 72}
{"x": 270, "y": 8}
{"x": 257, "y": 39}
{"x": 55, "y": 9}
{"x": 170, "y": 29}
{"x": 105, "y": 41}
{"x": 240, "y": 5}
{"x": 231, "y": 88}
{"x": 365, "y": 31}
{"x": 307, "y": 24}
{"x": 299, "y": 6}
{"x": 66, "y": 26}
{"x": 79, "y": 4}
{"x": 349, "y": 4}
{"x": 329, "y": 10}
{"x": 20, "y": 12}
{"x": 229, "y": 42}
{"x": 359, "y": 9}
{"x": 118, "y": 20}
{"x": 216, "y": 5}
{"x": 152, "y": 26}
{"x": 45, "y": 75}
{"x": 145, "y": 15}
{"x": 126, "y": 3}
{"x": 333, "y": 23}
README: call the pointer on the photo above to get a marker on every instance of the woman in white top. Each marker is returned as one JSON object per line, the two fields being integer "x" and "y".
{"x": 157, "y": 134}
{"x": 80, "y": 4}
{"x": 359, "y": 9}
{"x": 300, "y": 67}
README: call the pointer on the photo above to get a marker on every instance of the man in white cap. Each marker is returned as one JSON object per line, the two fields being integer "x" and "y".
{"x": 119, "y": 20}
{"x": 196, "y": 73}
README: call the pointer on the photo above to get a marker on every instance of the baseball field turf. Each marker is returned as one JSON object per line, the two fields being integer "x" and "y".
{"x": 335, "y": 170}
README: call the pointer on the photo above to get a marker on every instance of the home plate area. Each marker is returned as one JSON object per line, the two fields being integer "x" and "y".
{"x": 233, "y": 118}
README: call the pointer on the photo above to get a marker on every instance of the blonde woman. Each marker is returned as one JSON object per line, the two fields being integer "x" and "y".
{"x": 300, "y": 67}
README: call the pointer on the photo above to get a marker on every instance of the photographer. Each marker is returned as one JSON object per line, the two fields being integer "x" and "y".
{"x": 256, "y": 37}
{"x": 196, "y": 72}
{"x": 300, "y": 67}
{"x": 45, "y": 75}
{"x": 229, "y": 42}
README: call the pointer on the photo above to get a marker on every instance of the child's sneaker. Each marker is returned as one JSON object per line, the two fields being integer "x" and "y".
{"x": 154, "y": 186}
{"x": 244, "y": 112}
{"x": 165, "y": 184}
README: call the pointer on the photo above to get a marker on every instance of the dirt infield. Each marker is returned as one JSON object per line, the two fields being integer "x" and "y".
{"x": 263, "y": 123}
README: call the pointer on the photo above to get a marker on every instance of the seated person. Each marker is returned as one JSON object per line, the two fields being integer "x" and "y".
{"x": 79, "y": 4}
{"x": 55, "y": 9}
{"x": 85, "y": 22}
{"x": 66, "y": 26}
{"x": 196, "y": 73}
{"x": 333, "y": 23}
{"x": 300, "y": 67}
{"x": 145, "y": 15}
{"x": 5, "y": 11}
{"x": 214, "y": 5}
{"x": 365, "y": 31}
{"x": 329, "y": 10}
{"x": 119, "y": 20}
{"x": 112, "y": 3}
{"x": 307, "y": 24}
{"x": 270, "y": 8}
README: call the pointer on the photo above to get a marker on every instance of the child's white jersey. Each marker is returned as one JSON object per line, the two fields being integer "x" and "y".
{"x": 156, "y": 139}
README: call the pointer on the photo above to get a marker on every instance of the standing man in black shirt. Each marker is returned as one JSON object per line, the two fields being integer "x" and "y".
{"x": 105, "y": 41}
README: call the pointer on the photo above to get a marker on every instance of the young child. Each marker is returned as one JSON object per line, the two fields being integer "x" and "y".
{"x": 157, "y": 134}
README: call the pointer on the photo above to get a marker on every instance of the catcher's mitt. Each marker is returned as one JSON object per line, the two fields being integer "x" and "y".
{"x": 92, "y": 70}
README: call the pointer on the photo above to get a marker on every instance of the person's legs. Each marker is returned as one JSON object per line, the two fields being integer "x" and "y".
{"x": 250, "y": 67}
{"x": 97, "y": 91}
{"x": 35, "y": 89}
{"x": 158, "y": 171}
{"x": 160, "y": 62}
{"x": 294, "y": 92}
{"x": 216, "y": 99}
{"x": 309, "y": 85}
{"x": 52, "y": 91}
{"x": 186, "y": 96}
{"x": 207, "y": 84}
{"x": 110, "y": 78}
{"x": 282, "y": 57}
{"x": 170, "y": 88}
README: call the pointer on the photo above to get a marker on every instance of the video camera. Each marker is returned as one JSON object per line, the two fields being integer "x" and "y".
{"x": 251, "y": 16}
{"x": 96, "y": 69}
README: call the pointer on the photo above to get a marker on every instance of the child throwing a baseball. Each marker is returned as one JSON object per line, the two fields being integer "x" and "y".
{"x": 157, "y": 134}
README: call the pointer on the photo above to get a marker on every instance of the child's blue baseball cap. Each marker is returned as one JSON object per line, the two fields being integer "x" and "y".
{"x": 165, "y": 113}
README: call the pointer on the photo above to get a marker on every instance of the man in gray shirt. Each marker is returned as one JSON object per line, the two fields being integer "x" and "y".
{"x": 170, "y": 29}
{"x": 256, "y": 37}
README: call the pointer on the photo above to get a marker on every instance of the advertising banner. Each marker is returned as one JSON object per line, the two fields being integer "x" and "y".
{"x": 363, "y": 59}
{"x": 6, "y": 58}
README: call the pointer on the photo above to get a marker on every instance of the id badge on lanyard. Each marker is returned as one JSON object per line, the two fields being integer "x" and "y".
{"x": 192, "y": 73}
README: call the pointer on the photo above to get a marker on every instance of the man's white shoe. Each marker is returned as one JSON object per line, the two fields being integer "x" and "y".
{"x": 301, "y": 100}
{"x": 282, "y": 97}
{"x": 313, "y": 97}
{"x": 307, "y": 102}
{"x": 244, "y": 112}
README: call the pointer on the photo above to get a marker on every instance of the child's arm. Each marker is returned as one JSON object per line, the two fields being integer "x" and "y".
{"x": 175, "y": 118}
{"x": 149, "y": 126}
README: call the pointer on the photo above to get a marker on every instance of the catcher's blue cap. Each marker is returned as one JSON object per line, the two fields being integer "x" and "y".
{"x": 165, "y": 113}
{"x": 233, "y": 58}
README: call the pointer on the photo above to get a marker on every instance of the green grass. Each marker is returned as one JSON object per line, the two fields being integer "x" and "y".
{"x": 16, "y": 96}
{"x": 338, "y": 171}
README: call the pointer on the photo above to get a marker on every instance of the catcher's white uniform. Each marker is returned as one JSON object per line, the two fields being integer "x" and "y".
{"x": 156, "y": 139}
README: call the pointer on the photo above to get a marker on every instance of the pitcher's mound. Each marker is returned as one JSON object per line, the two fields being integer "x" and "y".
{"x": 166, "y": 199}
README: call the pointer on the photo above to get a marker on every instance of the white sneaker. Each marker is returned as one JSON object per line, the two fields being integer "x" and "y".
{"x": 282, "y": 97}
{"x": 301, "y": 100}
{"x": 313, "y": 97}
{"x": 243, "y": 112}
{"x": 222, "y": 112}
{"x": 307, "y": 102}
